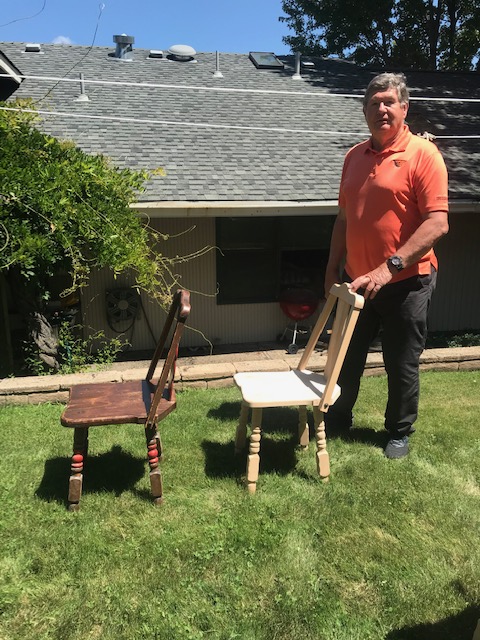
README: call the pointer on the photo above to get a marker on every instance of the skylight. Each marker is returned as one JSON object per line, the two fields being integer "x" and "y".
{"x": 265, "y": 60}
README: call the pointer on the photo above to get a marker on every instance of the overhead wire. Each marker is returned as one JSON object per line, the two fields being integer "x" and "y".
{"x": 5, "y": 24}
{"x": 204, "y": 125}
{"x": 156, "y": 85}
{"x": 101, "y": 7}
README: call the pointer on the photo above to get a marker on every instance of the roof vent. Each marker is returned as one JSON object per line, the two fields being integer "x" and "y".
{"x": 33, "y": 47}
{"x": 182, "y": 53}
{"x": 217, "y": 73}
{"x": 155, "y": 53}
{"x": 297, "y": 75}
{"x": 83, "y": 97}
{"x": 123, "y": 50}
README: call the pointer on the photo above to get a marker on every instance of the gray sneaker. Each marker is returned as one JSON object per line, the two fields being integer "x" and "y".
{"x": 397, "y": 448}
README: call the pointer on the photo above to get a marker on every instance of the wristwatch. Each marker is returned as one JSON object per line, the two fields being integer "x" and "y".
{"x": 396, "y": 262}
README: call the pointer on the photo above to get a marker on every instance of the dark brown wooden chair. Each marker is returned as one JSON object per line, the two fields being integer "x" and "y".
{"x": 137, "y": 401}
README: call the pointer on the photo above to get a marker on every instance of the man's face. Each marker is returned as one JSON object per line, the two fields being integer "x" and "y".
{"x": 385, "y": 116}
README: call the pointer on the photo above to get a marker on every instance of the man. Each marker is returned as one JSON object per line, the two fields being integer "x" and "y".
{"x": 393, "y": 208}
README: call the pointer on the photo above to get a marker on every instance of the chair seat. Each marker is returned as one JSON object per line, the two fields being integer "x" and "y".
{"x": 282, "y": 388}
{"x": 112, "y": 403}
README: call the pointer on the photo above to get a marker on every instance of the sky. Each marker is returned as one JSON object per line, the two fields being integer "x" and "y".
{"x": 229, "y": 26}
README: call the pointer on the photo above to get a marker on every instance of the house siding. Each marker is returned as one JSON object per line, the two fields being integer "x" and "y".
{"x": 225, "y": 324}
{"x": 455, "y": 305}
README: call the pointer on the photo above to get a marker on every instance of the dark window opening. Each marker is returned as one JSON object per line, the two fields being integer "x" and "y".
{"x": 261, "y": 257}
{"x": 303, "y": 269}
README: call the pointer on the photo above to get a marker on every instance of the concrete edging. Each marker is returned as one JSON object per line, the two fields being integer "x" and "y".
{"x": 212, "y": 375}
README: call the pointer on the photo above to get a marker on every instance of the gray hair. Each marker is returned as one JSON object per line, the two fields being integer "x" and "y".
{"x": 386, "y": 81}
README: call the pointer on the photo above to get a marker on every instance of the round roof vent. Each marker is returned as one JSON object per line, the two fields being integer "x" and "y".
{"x": 123, "y": 39}
{"x": 182, "y": 52}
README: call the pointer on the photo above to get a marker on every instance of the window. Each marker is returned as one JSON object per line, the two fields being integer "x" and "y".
{"x": 260, "y": 257}
{"x": 265, "y": 60}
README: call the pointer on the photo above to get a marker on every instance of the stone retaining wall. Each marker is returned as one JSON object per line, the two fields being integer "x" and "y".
{"x": 212, "y": 375}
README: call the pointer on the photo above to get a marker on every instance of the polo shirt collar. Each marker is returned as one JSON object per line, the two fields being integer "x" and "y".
{"x": 399, "y": 144}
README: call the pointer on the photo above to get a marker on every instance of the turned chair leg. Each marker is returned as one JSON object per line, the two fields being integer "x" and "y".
{"x": 323, "y": 461}
{"x": 80, "y": 449}
{"x": 241, "y": 434}
{"x": 253, "y": 460}
{"x": 303, "y": 435}
{"x": 154, "y": 453}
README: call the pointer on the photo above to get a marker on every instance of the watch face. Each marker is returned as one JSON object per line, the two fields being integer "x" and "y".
{"x": 397, "y": 262}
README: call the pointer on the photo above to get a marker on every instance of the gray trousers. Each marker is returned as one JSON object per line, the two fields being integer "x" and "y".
{"x": 400, "y": 311}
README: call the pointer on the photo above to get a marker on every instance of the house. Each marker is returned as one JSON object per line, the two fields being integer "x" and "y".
{"x": 252, "y": 147}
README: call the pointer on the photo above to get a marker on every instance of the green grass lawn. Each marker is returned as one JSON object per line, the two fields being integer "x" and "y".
{"x": 385, "y": 550}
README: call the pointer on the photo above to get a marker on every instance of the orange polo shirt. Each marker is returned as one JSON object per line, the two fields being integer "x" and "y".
{"x": 386, "y": 195}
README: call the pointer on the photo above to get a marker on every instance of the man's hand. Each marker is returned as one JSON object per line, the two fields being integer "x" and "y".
{"x": 372, "y": 281}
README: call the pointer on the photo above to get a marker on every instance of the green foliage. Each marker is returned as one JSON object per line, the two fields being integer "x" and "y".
{"x": 62, "y": 208}
{"x": 384, "y": 551}
{"x": 410, "y": 34}
{"x": 442, "y": 339}
{"x": 79, "y": 353}
{"x": 75, "y": 354}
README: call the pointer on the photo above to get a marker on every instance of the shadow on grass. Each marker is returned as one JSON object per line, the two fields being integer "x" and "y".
{"x": 360, "y": 434}
{"x": 280, "y": 419}
{"x": 457, "y": 627}
{"x": 276, "y": 455}
{"x": 115, "y": 472}
{"x": 226, "y": 411}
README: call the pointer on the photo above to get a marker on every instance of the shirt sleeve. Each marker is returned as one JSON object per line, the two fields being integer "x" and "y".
{"x": 431, "y": 182}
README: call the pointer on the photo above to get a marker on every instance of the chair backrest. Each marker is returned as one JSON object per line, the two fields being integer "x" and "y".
{"x": 348, "y": 306}
{"x": 176, "y": 318}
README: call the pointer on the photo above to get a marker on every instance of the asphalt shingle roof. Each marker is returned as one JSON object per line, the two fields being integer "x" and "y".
{"x": 276, "y": 151}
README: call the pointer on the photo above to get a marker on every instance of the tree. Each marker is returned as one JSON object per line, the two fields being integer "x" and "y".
{"x": 410, "y": 34}
{"x": 61, "y": 209}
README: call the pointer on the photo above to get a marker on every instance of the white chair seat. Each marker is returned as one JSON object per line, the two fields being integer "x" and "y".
{"x": 283, "y": 388}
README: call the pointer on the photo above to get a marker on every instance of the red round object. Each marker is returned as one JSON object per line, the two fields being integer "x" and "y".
{"x": 153, "y": 453}
{"x": 298, "y": 304}
{"x": 77, "y": 457}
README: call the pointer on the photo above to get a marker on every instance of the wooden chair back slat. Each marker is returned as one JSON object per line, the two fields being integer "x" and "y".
{"x": 181, "y": 308}
{"x": 316, "y": 332}
{"x": 335, "y": 360}
{"x": 164, "y": 388}
{"x": 337, "y": 335}
{"x": 348, "y": 307}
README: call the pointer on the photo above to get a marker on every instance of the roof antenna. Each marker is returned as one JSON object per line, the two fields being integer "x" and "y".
{"x": 83, "y": 97}
{"x": 296, "y": 75}
{"x": 217, "y": 73}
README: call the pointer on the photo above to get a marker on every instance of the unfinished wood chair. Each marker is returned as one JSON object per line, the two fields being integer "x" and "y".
{"x": 300, "y": 387}
{"x": 136, "y": 401}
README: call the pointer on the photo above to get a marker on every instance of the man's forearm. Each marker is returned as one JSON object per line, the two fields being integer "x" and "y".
{"x": 424, "y": 238}
{"x": 420, "y": 242}
{"x": 338, "y": 244}
{"x": 338, "y": 250}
